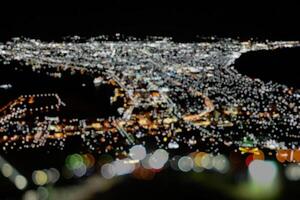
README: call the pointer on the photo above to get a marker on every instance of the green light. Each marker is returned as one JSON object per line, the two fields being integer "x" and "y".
{"x": 74, "y": 161}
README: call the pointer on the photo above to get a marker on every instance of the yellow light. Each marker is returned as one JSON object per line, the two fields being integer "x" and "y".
{"x": 39, "y": 177}
{"x": 96, "y": 126}
{"x": 198, "y": 159}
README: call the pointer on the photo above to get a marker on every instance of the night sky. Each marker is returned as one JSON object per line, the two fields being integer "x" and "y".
{"x": 52, "y": 20}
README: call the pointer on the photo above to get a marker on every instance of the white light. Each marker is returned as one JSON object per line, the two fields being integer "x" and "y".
{"x": 145, "y": 161}
{"x": 80, "y": 171}
{"x": 20, "y": 182}
{"x": 123, "y": 167}
{"x": 206, "y": 161}
{"x": 292, "y": 172}
{"x": 262, "y": 172}
{"x": 108, "y": 171}
{"x": 137, "y": 152}
{"x": 220, "y": 163}
{"x": 185, "y": 163}
{"x": 173, "y": 145}
{"x": 158, "y": 159}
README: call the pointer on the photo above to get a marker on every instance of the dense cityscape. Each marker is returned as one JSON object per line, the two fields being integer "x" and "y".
{"x": 182, "y": 105}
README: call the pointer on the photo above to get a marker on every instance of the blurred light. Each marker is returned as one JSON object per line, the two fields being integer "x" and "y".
{"x": 39, "y": 177}
{"x": 137, "y": 152}
{"x": 220, "y": 163}
{"x": 158, "y": 159}
{"x": 74, "y": 161}
{"x": 145, "y": 161}
{"x": 20, "y": 182}
{"x": 258, "y": 155}
{"x": 206, "y": 161}
{"x": 31, "y": 195}
{"x": 7, "y": 170}
{"x": 108, "y": 171}
{"x": 123, "y": 167}
{"x": 198, "y": 158}
{"x": 262, "y": 172}
{"x": 292, "y": 172}
{"x": 80, "y": 171}
{"x": 296, "y": 155}
{"x": 249, "y": 159}
{"x": 282, "y": 155}
{"x": 185, "y": 163}
{"x": 198, "y": 169}
{"x": 43, "y": 193}
{"x": 12, "y": 174}
{"x": 53, "y": 175}
{"x": 88, "y": 160}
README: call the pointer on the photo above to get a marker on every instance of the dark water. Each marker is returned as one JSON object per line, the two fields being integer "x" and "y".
{"x": 281, "y": 65}
{"x": 82, "y": 98}
{"x": 83, "y": 102}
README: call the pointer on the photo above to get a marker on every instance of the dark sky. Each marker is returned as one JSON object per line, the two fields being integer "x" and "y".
{"x": 52, "y": 20}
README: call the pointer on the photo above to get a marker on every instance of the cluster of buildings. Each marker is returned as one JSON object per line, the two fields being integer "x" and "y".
{"x": 176, "y": 96}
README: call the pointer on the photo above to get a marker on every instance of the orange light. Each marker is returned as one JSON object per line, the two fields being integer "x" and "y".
{"x": 297, "y": 155}
{"x": 58, "y": 135}
{"x": 259, "y": 155}
{"x": 31, "y": 100}
{"x": 96, "y": 126}
{"x": 198, "y": 158}
{"x": 282, "y": 155}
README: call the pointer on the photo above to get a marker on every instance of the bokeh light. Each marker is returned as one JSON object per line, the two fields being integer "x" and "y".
{"x": 137, "y": 152}
{"x": 185, "y": 163}
{"x": 108, "y": 171}
{"x": 40, "y": 177}
{"x": 262, "y": 172}
{"x": 20, "y": 182}
{"x": 158, "y": 159}
{"x": 292, "y": 172}
{"x": 220, "y": 163}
